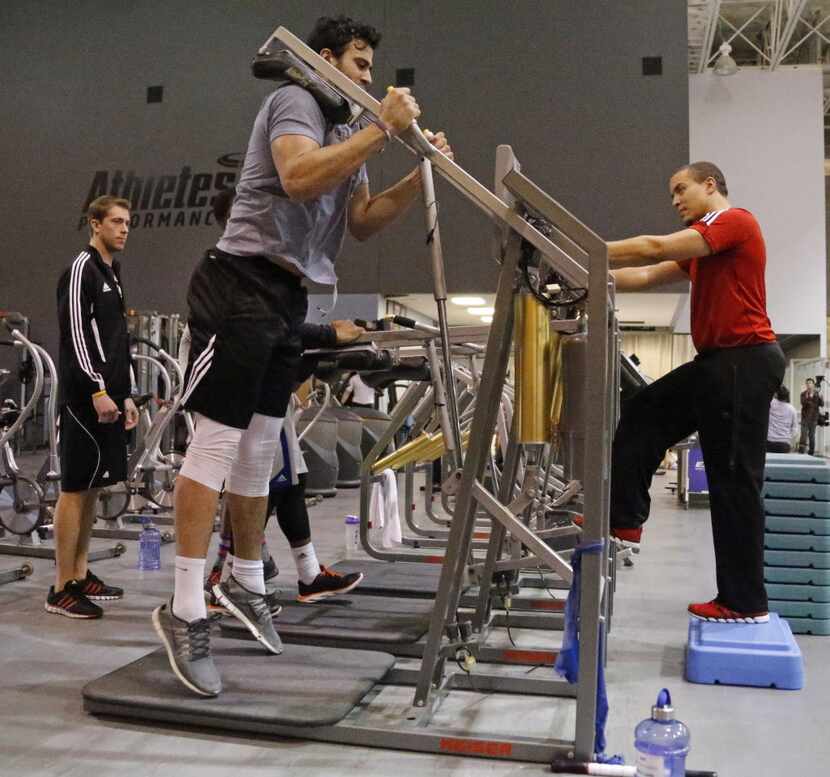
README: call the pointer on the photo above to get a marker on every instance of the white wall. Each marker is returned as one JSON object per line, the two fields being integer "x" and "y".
{"x": 765, "y": 130}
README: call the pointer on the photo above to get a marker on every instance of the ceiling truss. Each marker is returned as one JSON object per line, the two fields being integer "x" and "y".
{"x": 762, "y": 33}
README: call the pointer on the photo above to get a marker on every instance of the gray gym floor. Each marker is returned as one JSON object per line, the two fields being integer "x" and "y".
{"x": 740, "y": 732}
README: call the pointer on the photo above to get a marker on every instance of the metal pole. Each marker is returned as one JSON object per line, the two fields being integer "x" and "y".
{"x": 440, "y": 293}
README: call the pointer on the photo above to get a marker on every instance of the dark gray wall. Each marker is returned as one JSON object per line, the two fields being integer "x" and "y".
{"x": 559, "y": 80}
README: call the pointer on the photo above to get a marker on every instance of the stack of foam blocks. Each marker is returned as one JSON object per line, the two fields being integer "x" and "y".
{"x": 797, "y": 541}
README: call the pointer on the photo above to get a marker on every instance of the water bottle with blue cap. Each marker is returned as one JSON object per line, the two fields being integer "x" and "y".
{"x": 149, "y": 546}
{"x": 661, "y": 741}
{"x": 352, "y": 535}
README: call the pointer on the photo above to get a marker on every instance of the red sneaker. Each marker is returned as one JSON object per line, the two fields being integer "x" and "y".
{"x": 715, "y": 612}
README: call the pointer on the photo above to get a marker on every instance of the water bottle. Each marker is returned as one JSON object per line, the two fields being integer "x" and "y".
{"x": 149, "y": 546}
{"x": 661, "y": 741}
{"x": 352, "y": 535}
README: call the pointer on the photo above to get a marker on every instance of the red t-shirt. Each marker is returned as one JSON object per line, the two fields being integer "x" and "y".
{"x": 729, "y": 299}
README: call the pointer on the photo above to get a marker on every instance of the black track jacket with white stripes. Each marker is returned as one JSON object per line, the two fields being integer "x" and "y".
{"x": 94, "y": 344}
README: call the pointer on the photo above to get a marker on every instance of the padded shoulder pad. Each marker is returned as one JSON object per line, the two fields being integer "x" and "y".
{"x": 284, "y": 66}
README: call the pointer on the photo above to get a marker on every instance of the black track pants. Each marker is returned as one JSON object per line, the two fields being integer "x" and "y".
{"x": 724, "y": 395}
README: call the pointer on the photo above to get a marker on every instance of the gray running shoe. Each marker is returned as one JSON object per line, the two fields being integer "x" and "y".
{"x": 188, "y": 650}
{"x": 252, "y": 609}
{"x": 272, "y": 596}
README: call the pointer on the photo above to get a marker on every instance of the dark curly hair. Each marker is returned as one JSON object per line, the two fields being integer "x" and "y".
{"x": 337, "y": 33}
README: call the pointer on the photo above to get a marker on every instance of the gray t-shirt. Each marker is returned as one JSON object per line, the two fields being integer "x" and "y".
{"x": 263, "y": 221}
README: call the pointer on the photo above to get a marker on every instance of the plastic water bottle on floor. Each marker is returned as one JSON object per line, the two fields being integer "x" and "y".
{"x": 352, "y": 535}
{"x": 661, "y": 741}
{"x": 149, "y": 546}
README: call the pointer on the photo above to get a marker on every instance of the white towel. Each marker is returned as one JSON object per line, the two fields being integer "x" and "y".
{"x": 383, "y": 509}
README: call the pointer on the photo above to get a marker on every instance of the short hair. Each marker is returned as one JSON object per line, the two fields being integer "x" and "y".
{"x": 100, "y": 206}
{"x": 222, "y": 205}
{"x": 810, "y": 380}
{"x": 700, "y": 171}
{"x": 338, "y": 32}
{"x": 782, "y": 394}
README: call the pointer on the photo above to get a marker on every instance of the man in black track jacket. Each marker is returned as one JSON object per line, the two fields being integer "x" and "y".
{"x": 95, "y": 381}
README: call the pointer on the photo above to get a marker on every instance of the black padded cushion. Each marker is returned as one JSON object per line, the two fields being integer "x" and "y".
{"x": 394, "y": 578}
{"x": 305, "y": 686}
{"x": 375, "y": 619}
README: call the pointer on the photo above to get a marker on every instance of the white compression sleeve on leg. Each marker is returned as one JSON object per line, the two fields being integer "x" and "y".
{"x": 251, "y": 470}
{"x": 211, "y": 452}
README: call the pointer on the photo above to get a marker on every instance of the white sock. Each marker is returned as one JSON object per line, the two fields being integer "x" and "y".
{"x": 250, "y": 574}
{"x": 227, "y": 568}
{"x": 305, "y": 559}
{"x": 189, "y": 591}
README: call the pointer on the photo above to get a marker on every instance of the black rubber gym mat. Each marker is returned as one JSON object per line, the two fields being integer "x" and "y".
{"x": 305, "y": 686}
{"x": 394, "y": 578}
{"x": 364, "y": 618}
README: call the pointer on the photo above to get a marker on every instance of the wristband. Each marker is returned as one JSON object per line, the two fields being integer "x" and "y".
{"x": 101, "y": 393}
{"x": 383, "y": 128}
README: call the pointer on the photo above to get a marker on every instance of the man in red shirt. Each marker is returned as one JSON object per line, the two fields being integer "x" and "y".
{"x": 724, "y": 394}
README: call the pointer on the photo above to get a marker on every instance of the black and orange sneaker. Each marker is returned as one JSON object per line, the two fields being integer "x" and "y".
{"x": 715, "y": 612}
{"x": 327, "y": 583}
{"x": 71, "y": 603}
{"x": 92, "y": 587}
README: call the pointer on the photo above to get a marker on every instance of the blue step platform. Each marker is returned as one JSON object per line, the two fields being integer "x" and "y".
{"x": 816, "y": 610}
{"x": 805, "y": 508}
{"x": 795, "y": 472}
{"x": 776, "y": 489}
{"x": 796, "y": 459}
{"x": 759, "y": 654}
{"x": 817, "y": 627}
{"x": 794, "y": 592}
{"x": 802, "y": 576}
{"x": 813, "y": 542}
{"x": 793, "y": 524}
{"x": 797, "y": 558}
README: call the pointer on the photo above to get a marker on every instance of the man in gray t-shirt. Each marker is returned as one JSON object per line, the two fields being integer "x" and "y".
{"x": 305, "y": 235}
{"x": 303, "y": 184}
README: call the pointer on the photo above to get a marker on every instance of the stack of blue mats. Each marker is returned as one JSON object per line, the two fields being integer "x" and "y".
{"x": 797, "y": 540}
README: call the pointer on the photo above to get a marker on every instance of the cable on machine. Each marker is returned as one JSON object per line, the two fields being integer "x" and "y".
{"x": 566, "y": 295}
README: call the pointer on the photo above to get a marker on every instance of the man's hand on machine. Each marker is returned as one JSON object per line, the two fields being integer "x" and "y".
{"x": 347, "y": 331}
{"x": 106, "y": 409}
{"x": 398, "y": 110}
{"x": 130, "y": 414}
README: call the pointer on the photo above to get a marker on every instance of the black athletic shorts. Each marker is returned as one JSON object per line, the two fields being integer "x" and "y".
{"x": 245, "y": 316}
{"x": 93, "y": 455}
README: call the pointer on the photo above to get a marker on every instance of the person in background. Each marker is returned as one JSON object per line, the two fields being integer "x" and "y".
{"x": 811, "y": 401}
{"x": 96, "y": 407}
{"x": 783, "y": 422}
{"x": 357, "y": 393}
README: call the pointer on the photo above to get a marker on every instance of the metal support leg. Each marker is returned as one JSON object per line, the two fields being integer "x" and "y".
{"x": 452, "y": 572}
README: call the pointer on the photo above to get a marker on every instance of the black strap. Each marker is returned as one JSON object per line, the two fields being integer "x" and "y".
{"x": 286, "y": 68}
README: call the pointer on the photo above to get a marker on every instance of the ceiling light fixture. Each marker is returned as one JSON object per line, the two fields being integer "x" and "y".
{"x": 724, "y": 64}
{"x": 487, "y": 319}
{"x": 468, "y": 301}
{"x": 481, "y": 311}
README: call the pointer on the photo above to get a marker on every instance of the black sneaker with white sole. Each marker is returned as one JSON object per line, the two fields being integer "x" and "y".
{"x": 71, "y": 603}
{"x": 326, "y": 584}
{"x": 188, "y": 650}
{"x": 92, "y": 587}
{"x": 252, "y": 609}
